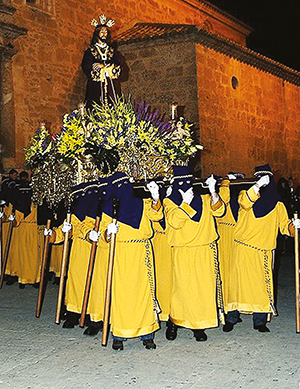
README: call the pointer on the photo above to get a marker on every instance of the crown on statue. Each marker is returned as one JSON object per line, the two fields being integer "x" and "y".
{"x": 103, "y": 22}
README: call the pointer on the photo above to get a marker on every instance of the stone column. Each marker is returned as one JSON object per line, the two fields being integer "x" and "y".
{"x": 8, "y": 32}
{"x": 7, "y": 114}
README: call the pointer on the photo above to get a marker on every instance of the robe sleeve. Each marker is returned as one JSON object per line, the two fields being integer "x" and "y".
{"x": 248, "y": 198}
{"x": 154, "y": 212}
{"x": 224, "y": 192}
{"x": 87, "y": 63}
{"x": 177, "y": 215}
{"x": 219, "y": 208}
{"x": 286, "y": 226}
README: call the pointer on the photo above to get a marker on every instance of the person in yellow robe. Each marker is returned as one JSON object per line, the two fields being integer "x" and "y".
{"x": 192, "y": 234}
{"x": 226, "y": 224}
{"x": 163, "y": 268}
{"x": 163, "y": 263}
{"x": 85, "y": 205}
{"x": 261, "y": 214}
{"x": 24, "y": 257}
{"x": 134, "y": 308}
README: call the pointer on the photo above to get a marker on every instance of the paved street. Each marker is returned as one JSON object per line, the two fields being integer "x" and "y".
{"x": 37, "y": 353}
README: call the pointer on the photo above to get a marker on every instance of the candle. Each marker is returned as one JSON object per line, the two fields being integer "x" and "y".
{"x": 81, "y": 108}
{"x": 174, "y": 111}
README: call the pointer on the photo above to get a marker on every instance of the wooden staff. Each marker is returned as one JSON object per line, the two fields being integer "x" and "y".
{"x": 1, "y": 235}
{"x": 7, "y": 246}
{"x": 63, "y": 270}
{"x": 297, "y": 276}
{"x": 111, "y": 256}
{"x": 43, "y": 270}
{"x": 90, "y": 268}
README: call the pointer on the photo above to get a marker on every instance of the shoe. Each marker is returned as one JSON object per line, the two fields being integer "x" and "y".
{"x": 200, "y": 335}
{"x": 91, "y": 330}
{"x": 56, "y": 281}
{"x": 240, "y": 320}
{"x": 21, "y": 286}
{"x": 228, "y": 327}
{"x": 36, "y": 285}
{"x": 69, "y": 324}
{"x": 11, "y": 280}
{"x": 262, "y": 328}
{"x": 149, "y": 344}
{"x": 117, "y": 344}
{"x": 171, "y": 332}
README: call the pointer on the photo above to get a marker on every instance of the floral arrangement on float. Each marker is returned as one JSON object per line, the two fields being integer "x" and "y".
{"x": 126, "y": 136}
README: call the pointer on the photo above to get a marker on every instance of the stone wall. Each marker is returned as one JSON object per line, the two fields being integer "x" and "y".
{"x": 256, "y": 123}
{"x": 47, "y": 76}
{"x": 161, "y": 72}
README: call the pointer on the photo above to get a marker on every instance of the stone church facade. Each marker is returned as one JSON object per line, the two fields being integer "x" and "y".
{"x": 245, "y": 107}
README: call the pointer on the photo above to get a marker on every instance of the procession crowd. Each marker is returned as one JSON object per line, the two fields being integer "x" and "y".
{"x": 194, "y": 259}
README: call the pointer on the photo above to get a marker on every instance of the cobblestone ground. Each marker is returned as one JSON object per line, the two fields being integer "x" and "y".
{"x": 37, "y": 353}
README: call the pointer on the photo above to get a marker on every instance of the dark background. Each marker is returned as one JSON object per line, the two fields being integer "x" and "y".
{"x": 276, "y": 27}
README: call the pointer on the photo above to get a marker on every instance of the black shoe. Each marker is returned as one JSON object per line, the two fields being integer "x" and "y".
{"x": 117, "y": 344}
{"x": 36, "y": 285}
{"x": 69, "y": 324}
{"x": 262, "y": 328}
{"x": 171, "y": 333}
{"x": 200, "y": 335}
{"x": 149, "y": 344}
{"x": 21, "y": 286}
{"x": 91, "y": 330}
{"x": 228, "y": 327}
{"x": 11, "y": 280}
{"x": 56, "y": 281}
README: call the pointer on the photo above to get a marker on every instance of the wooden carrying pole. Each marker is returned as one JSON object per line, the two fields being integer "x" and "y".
{"x": 63, "y": 270}
{"x": 7, "y": 246}
{"x": 297, "y": 276}
{"x": 1, "y": 236}
{"x": 43, "y": 270}
{"x": 89, "y": 275}
{"x": 111, "y": 256}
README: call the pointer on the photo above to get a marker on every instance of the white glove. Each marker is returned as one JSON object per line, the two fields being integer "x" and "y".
{"x": 67, "y": 227}
{"x": 47, "y": 232}
{"x": 1, "y": 215}
{"x": 11, "y": 217}
{"x": 169, "y": 191}
{"x": 154, "y": 190}
{"x": 211, "y": 182}
{"x": 187, "y": 196}
{"x": 263, "y": 181}
{"x": 231, "y": 176}
{"x": 296, "y": 223}
{"x": 94, "y": 236}
{"x": 112, "y": 228}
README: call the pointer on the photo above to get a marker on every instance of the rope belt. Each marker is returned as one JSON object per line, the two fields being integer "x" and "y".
{"x": 150, "y": 273}
{"x": 266, "y": 274}
{"x": 220, "y": 301}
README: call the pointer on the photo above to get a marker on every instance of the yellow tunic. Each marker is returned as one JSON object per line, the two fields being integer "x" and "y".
{"x": 195, "y": 263}
{"x": 78, "y": 267}
{"x": 163, "y": 270}
{"x": 251, "y": 283}
{"x": 133, "y": 301}
{"x": 12, "y": 266}
{"x": 225, "y": 228}
{"x": 56, "y": 258}
{"x": 24, "y": 258}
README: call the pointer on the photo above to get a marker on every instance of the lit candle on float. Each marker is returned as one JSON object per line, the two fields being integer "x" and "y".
{"x": 81, "y": 108}
{"x": 174, "y": 111}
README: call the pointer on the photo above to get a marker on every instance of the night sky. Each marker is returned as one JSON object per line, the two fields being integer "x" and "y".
{"x": 276, "y": 27}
